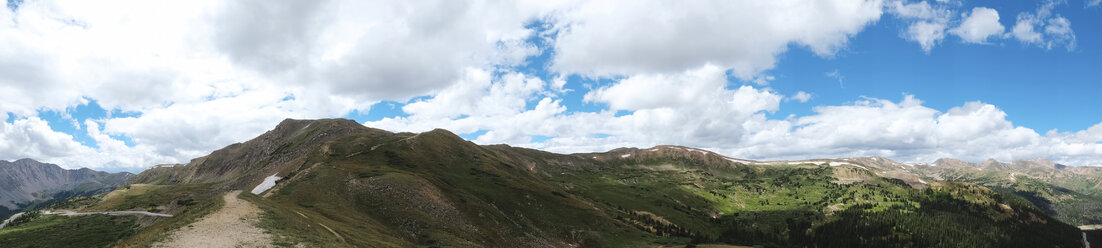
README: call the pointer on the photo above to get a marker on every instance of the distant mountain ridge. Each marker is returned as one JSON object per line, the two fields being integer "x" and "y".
{"x": 27, "y": 183}
{"x": 435, "y": 188}
{"x": 337, "y": 182}
{"x": 1021, "y": 164}
{"x": 1072, "y": 194}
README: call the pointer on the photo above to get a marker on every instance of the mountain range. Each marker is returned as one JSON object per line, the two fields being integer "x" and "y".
{"x": 335, "y": 182}
{"x": 27, "y": 183}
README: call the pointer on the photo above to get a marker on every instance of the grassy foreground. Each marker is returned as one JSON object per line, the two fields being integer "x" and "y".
{"x": 77, "y": 231}
{"x": 187, "y": 204}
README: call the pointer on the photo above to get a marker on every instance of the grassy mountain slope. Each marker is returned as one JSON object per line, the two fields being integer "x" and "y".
{"x": 1073, "y": 195}
{"x": 794, "y": 204}
{"x": 345, "y": 185}
{"x": 433, "y": 188}
{"x": 77, "y": 231}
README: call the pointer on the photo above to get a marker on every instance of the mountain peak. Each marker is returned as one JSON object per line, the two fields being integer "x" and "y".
{"x": 952, "y": 162}
{"x": 993, "y": 164}
{"x": 439, "y": 136}
{"x": 315, "y": 129}
{"x": 27, "y": 162}
{"x": 441, "y": 131}
{"x": 293, "y": 123}
{"x": 698, "y": 156}
{"x": 990, "y": 162}
{"x": 297, "y": 124}
{"x": 238, "y": 164}
{"x": 25, "y": 180}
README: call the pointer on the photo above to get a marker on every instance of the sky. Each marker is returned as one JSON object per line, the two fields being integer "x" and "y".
{"x": 125, "y": 85}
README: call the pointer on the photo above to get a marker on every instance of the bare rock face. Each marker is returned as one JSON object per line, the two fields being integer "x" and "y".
{"x": 26, "y": 181}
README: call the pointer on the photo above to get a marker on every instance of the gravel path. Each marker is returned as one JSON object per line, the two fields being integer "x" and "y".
{"x": 5, "y": 223}
{"x": 1086, "y": 242}
{"x": 231, "y": 226}
{"x": 71, "y": 213}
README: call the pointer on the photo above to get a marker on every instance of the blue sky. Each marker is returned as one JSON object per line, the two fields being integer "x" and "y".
{"x": 910, "y": 80}
{"x": 1039, "y": 88}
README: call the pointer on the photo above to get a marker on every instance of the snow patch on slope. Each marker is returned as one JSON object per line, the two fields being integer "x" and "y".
{"x": 741, "y": 161}
{"x": 847, "y": 163}
{"x": 268, "y": 183}
{"x": 700, "y": 151}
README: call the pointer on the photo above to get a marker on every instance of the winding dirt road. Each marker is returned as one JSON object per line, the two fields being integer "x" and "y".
{"x": 5, "y": 223}
{"x": 231, "y": 226}
{"x": 71, "y": 213}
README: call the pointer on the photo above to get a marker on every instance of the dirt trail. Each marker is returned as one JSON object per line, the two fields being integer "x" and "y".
{"x": 71, "y": 213}
{"x": 231, "y": 226}
{"x": 13, "y": 217}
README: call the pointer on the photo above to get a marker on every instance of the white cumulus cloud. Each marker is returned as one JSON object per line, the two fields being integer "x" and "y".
{"x": 693, "y": 107}
{"x": 697, "y": 108}
{"x": 909, "y": 131}
{"x": 978, "y": 26}
{"x": 607, "y": 38}
{"x": 373, "y": 49}
{"x": 927, "y": 22}
{"x": 1044, "y": 28}
{"x": 194, "y": 76}
{"x": 802, "y": 96}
